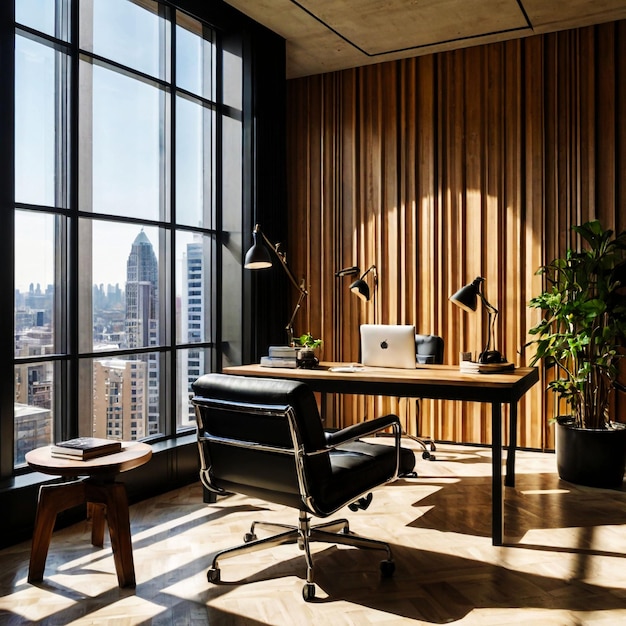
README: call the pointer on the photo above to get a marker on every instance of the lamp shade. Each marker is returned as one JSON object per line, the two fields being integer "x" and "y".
{"x": 360, "y": 288}
{"x": 258, "y": 256}
{"x": 467, "y": 297}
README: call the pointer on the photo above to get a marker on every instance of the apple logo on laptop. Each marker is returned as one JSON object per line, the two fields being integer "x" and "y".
{"x": 384, "y": 345}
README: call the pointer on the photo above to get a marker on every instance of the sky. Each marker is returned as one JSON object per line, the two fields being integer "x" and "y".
{"x": 34, "y": 255}
{"x": 124, "y": 170}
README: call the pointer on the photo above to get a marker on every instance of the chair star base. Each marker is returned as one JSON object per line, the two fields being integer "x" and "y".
{"x": 334, "y": 531}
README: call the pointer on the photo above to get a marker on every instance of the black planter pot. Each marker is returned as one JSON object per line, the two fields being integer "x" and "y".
{"x": 306, "y": 359}
{"x": 594, "y": 458}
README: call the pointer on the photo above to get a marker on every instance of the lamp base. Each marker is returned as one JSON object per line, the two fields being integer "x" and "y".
{"x": 491, "y": 356}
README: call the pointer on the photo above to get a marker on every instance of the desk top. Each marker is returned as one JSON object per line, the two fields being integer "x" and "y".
{"x": 132, "y": 455}
{"x": 426, "y": 381}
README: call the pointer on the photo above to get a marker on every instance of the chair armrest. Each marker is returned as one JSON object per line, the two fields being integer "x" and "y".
{"x": 363, "y": 429}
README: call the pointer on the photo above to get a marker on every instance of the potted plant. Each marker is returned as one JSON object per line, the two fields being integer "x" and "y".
{"x": 305, "y": 356}
{"x": 581, "y": 334}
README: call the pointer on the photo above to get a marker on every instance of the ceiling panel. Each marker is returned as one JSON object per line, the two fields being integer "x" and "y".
{"x": 328, "y": 35}
{"x": 380, "y": 27}
{"x": 560, "y": 14}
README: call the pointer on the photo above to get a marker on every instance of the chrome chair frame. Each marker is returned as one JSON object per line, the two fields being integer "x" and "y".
{"x": 304, "y": 533}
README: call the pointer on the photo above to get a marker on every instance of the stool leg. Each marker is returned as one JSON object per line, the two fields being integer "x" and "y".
{"x": 96, "y": 512}
{"x": 52, "y": 500}
{"x": 113, "y": 496}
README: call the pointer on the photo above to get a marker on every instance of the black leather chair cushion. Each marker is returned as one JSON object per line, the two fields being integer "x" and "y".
{"x": 407, "y": 456}
{"x": 353, "y": 472}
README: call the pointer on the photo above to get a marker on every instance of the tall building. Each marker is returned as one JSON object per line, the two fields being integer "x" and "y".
{"x": 33, "y": 428}
{"x": 142, "y": 292}
{"x": 33, "y": 392}
{"x": 119, "y": 399}
{"x": 193, "y": 324}
{"x": 141, "y": 319}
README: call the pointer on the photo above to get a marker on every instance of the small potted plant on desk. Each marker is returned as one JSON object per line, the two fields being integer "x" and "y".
{"x": 582, "y": 334}
{"x": 305, "y": 356}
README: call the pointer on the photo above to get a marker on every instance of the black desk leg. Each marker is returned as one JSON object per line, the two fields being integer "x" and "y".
{"x": 208, "y": 496}
{"x": 509, "y": 480}
{"x": 497, "y": 495}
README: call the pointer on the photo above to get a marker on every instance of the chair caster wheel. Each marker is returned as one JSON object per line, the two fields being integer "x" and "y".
{"x": 213, "y": 575}
{"x": 387, "y": 568}
{"x": 432, "y": 457}
{"x": 248, "y": 537}
{"x": 426, "y": 455}
{"x": 308, "y": 592}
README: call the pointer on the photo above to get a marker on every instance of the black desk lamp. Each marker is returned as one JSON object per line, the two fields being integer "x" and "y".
{"x": 359, "y": 287}
{"x": 467, "y": 299}
{"x": 258, "y": 257}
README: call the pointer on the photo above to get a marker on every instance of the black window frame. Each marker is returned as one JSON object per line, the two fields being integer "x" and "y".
{"x": 265, "y": 296}
{"x": 237, "y": 31}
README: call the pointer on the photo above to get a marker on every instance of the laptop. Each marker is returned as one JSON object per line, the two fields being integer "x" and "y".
{"x": 388, "y": 345}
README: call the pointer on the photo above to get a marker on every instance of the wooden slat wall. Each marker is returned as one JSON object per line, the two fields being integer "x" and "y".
{"x": 442, "y": 168}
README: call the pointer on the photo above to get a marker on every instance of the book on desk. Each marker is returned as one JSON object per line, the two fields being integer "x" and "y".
{"x": 83, "y": 448}
{"x": 280, "y": 356}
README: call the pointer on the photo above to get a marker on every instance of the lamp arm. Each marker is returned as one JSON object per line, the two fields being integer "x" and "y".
{"x": 368, "y": 270}
{"x": 372, "y": 268}
{"x": 491, "y": 324}
{"x": 281, "y": 257}
{"x": 489, "y": 307}
{"x": 289, "y": 326}
{"x": 301, "y": 287}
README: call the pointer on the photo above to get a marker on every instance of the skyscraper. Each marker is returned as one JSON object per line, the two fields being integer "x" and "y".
{"x": 194, "y": 313}
{"x": 119, "y": 395}
{"x": 142, "y": 292}
{"x": 142, "y": 317}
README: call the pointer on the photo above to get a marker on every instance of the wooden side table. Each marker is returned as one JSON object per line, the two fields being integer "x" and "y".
{"x": 105, "y": 499}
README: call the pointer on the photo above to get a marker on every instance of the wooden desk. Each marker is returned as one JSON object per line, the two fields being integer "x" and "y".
{"x": 105, "y": 498}
{"x": 439, "y": 382}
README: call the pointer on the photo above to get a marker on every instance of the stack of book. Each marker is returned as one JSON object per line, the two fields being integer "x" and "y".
{"x": 83, "y": 448}
{"x": 280, "y": 356}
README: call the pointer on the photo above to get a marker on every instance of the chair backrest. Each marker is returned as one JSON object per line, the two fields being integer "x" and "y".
{"x": 253, "y": 436}
{"x": 429, "y": 349}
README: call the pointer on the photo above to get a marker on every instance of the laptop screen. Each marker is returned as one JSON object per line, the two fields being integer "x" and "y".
{"x": 388, "y": 345}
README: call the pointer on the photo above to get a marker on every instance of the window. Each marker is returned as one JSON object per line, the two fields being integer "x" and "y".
{"x": 120, "y": 212}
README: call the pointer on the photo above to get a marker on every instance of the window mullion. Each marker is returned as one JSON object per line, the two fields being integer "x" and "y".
{"x": 67, "y": 407}
{"x": 112, "y": 113}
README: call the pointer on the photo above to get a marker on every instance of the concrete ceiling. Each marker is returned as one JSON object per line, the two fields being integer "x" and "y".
{"x": 328, "y": 35}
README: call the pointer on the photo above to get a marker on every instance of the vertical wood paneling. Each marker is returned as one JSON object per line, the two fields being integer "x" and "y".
{"x": 533, "y": 220}
{"x": 620, "y": 159}
{"x": 442, "y": 168}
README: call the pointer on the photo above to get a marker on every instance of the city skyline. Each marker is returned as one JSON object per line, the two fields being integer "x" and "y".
{"x": 34, "y": 257}
{"x": 124, "y": 316}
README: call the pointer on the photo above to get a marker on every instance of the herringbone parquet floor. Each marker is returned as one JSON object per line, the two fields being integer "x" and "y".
{"x": 564, "y": 562}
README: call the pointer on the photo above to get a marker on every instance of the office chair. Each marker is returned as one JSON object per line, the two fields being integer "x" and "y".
{"x": 429, "y": 349}
{"x": 264, "y": 438}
